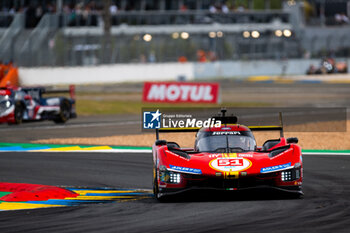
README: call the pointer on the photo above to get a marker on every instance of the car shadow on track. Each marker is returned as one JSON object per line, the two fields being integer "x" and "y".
{"x": 228, "y": 196}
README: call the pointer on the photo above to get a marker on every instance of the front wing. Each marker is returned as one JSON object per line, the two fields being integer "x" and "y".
{"x": 286, "y": 176}
{"x": 191, "y": 182}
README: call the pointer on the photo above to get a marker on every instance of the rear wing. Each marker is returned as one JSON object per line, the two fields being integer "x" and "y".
{"x": 225, "y": 120}
{"x": 267, "y": 128}
{"x": 270, "y": 127}
{"x": 36, "y": 92}
{"x": 176, "y": 130}
{"x": 71, "y": 91}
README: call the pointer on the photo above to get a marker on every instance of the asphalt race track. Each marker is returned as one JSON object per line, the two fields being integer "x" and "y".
{"x": 324, "y": 208}
{"x": 308, "y": 95}
{"x": 100, "y": 126}
{"x": 83, "y": 126}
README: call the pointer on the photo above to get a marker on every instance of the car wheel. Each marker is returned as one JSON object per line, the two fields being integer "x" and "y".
{"x": 156, "y": 193}
{"x": 64, "y": 112}
{"x": 18, "y": 113}
{"x": 155, "y": 183}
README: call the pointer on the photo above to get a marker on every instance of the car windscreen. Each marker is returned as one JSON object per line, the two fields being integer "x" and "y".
{"x": 226, "y": 143}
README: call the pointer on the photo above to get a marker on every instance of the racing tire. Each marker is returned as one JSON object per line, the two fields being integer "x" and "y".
{"x": 155, "y": 183}
{"x": 19, "y": 110}
{"x": 64, "y": 114}
{"x": 156, "y": 193}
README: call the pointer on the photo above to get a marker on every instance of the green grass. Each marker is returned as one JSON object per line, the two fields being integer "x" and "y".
{"x": 108, "y": 104}
{"x": 4, "y": 194}
{"x": 108, "y": 107}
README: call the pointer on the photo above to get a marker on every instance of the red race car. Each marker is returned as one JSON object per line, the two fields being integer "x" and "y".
{"x": 227, "y": 158}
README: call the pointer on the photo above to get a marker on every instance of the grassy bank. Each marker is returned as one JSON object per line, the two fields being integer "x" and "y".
{"x": 92, "y": 106}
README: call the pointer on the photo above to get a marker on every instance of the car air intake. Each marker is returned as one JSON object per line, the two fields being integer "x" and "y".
{"x": 278, "y": 151}
{"x": 179, "y": 152}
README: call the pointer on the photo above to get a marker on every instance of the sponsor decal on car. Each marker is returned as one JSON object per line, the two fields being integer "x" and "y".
{"x": 276, "y": 168}
{"x": 230, "y": 164}
{"x": 171, "y": 92}
{"x": 215, "y": 155}
{"x": 185, "y": 169}
{"x": 226, "y": 133}
{"x": 246, "y": 155}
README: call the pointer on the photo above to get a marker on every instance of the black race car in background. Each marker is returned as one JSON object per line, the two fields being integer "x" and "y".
{"x": 19, "y": 104}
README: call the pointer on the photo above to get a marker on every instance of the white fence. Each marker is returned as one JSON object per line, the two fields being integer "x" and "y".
{"x": 104, "y": 74}
{"x": 163, "y": 71}
{"x": 252, "y": 68}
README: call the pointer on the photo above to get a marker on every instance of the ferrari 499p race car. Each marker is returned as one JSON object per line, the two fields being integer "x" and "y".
{"x": 28, "y": 104}
{"x": 227, "y": 158}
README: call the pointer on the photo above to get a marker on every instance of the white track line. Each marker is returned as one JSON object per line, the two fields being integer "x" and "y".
{"x": 150, "y": 151}
{"x": 80, "y": 125}
{"x": 325, "y": 153}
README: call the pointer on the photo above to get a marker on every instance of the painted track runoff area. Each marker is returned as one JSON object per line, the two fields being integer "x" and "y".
{"x": 324, "y": 208}
{"x": 29, "y": 147}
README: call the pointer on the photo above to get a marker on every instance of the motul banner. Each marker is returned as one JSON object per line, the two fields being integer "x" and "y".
{"x": 181, "y": 92}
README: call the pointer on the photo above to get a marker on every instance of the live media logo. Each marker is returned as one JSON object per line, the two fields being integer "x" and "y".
{"x": 151, "y": 120}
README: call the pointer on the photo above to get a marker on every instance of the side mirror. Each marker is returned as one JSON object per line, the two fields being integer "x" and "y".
{"x": 160, "y": 143}
{"x": 292, "y": 140}
{"x": 172, "y": 145}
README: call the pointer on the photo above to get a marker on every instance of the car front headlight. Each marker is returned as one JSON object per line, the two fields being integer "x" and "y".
{"x": 286, "y": 175}
{"x": 290, "y": 175}
{"x": 170, "y": 177}
{"x": 175, "y": 178}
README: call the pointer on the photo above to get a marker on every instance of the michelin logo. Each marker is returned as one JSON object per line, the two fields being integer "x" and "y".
{"x": 151, "y": 120}
{"x": 275, "y": 168}
{"x": 186, "y": 169}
